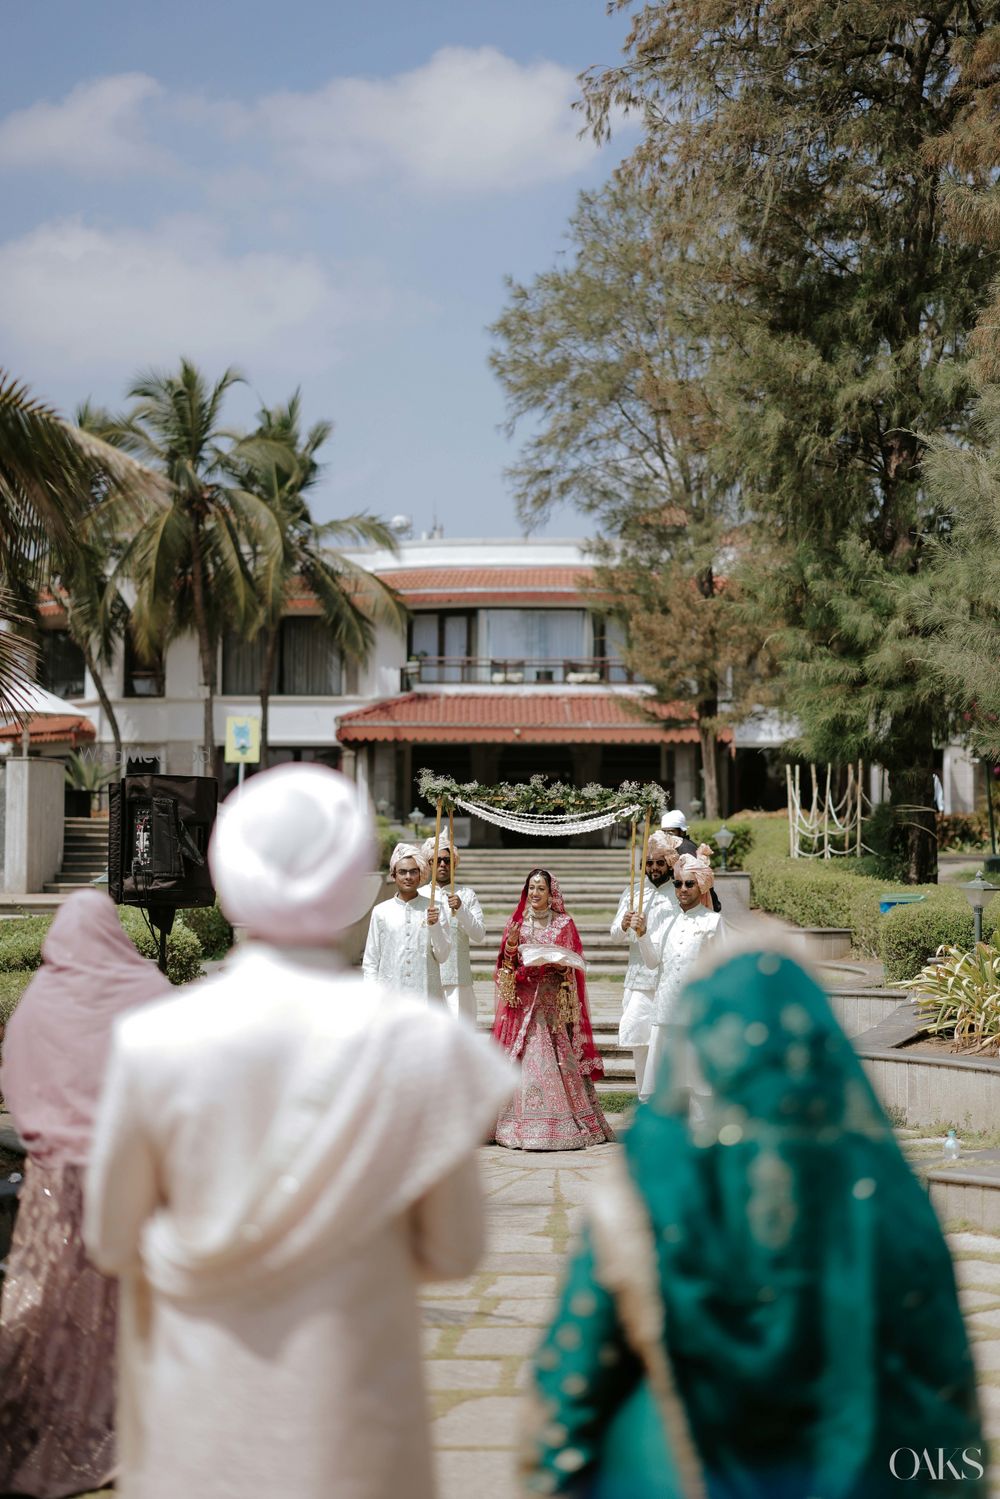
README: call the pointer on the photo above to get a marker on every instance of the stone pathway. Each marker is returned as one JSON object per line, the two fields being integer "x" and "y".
{"x": 480, "y": 1333}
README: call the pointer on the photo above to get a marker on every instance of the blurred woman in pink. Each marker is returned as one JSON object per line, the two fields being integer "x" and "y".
{"x": 542, "y": 1022}
{"x": 58, "y": 1314}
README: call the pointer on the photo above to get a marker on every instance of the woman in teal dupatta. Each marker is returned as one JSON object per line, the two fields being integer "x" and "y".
{"x": 763, "y": 1306}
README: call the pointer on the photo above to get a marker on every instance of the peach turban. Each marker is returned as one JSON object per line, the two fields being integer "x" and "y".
{"x": 665, "y": 844}
{"x": 292, "y": 855}
{"x": 696, "y": 867}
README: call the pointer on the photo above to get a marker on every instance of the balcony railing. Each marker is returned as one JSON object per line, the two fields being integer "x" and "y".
{"x": 496, "y": 671}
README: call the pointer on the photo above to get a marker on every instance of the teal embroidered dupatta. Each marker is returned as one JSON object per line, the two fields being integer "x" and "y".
{"x": 781, "y": 1301}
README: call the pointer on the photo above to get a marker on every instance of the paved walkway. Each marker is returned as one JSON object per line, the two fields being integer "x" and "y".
{"x": 480, "y": 1333}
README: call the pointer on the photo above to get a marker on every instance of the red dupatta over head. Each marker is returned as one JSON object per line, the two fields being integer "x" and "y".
{"x": 510, "y": 1019}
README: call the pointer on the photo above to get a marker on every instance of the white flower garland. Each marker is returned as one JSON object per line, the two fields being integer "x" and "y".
{"x": 552, "y": 824}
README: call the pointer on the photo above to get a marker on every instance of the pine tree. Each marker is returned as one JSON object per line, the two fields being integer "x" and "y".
{"x": 818, "y": 137}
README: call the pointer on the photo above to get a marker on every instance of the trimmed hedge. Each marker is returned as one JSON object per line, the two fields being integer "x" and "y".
{"x": 210, "y": 927}
{"x": 183, "y": 948}
{"x": 815, "y": 892}
{"x": 21, "y": 945}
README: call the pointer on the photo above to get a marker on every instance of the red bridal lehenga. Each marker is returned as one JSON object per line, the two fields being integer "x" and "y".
{"x": 542, "y": 1022}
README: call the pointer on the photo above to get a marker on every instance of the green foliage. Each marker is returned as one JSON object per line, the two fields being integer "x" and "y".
{"x": 959, "y": 994}
{"x": 538, "y": 795}
{"x": 183, "y": 948}
{"x": 911, "y": 935}
{"x": 21, "y": 943}
{"x": 87, "y": 774}
{"x": 211, "y": 928}
{"x": 743, "y": 839}
{"x": 963, "y": 830}
{"x": 12, "y": 986}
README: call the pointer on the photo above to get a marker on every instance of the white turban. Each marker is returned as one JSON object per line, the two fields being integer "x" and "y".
{"x": 409, "y": 851}
{"x": 444, "y": 847}
{"x": 291, "y": 854}
{"x": 673, "y": 820}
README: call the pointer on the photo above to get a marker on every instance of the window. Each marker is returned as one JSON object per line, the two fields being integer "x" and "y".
{"x": 143, "y": 677}
{"x": 449, "y": 635}
{"x": 536, "y": 645}
{"x": 61, "y": 664}
{"x": 306, "y": 663}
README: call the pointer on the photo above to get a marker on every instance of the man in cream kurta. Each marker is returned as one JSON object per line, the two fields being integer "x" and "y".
{"x": 644, "y": 935}
{"x": 268, "y": 1210}
{"x": 681, "y": 941}
{"x": 409, "y": 939}
{"x": 467, "y": 925}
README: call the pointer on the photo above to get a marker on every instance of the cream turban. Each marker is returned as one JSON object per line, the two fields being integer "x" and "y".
{"x": 444, "y": 847}
{"x": 409, "y": 851}
{"x": 291, "y": 855}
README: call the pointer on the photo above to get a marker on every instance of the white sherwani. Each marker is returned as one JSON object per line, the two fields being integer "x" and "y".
{"x": 683, "y": 939}
{"x": 659, "y": 907}
{"x": 467, "y": 925}
{"x": 402, "y": 952}
{"x": 270, "y": 1215}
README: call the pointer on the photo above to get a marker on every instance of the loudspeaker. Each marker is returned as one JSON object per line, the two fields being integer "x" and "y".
{"x": 158, "y": 832}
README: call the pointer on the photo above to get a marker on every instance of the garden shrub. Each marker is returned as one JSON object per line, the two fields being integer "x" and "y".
{"x": 959, "y": 995}
{"x": 211, "y": 928}
{"x": 962, "y": 830}
{"x": 911, "y": 935}
{"x": 743, "y": 837}
{"x": 183, "y": 948}
{"x": 12, "y": 986}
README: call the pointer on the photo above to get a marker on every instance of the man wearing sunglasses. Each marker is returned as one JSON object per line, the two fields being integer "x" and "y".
{"x": 644, "y": 935}
{"x": 694, "y": 924}
{"x": 676, "y": 823}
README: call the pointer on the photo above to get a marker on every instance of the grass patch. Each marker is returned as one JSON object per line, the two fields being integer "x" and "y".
{"x": 617, "y": 1103}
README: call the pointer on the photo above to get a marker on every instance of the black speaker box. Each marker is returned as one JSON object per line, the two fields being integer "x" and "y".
{"x": 158, "y": 832}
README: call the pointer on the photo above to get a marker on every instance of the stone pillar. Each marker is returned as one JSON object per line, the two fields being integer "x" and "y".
{"x": 958, "y": 776}
{"x": 687, "y": 781}
{"x": 34, "y": 825}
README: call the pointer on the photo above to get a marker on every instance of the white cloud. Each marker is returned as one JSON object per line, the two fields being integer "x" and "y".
{"x": 468, "y": 120}
{"x": 96, "y": 131}
{"x": 116, "y": 299}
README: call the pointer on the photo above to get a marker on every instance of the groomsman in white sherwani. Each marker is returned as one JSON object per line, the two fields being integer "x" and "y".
{"x": 467, "y": 925}
{"x": 409, "y": 938}
{"x": 644, "y": 936}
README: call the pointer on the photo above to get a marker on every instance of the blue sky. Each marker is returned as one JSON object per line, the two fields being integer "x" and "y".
{"x": 322, "y": 194}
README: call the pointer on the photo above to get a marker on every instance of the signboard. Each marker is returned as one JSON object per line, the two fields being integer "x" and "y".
{"x": 242, "y": 741}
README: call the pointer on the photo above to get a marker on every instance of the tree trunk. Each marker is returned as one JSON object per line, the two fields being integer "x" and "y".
{"x": 710, "y": 769}
{"x": 266, "y": 673}
{"x": 912, "y": 796}
{"x": 105, "y": 702}
{"x": 206, "y": 650}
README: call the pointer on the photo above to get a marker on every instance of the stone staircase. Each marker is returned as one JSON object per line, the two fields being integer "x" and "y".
{"x": 85, "y": 855}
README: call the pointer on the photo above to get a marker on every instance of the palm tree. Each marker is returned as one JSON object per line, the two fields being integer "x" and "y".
{"x": 53, "y": 476}
{"x": 279, "y": 465}
{"x": 189, "y": 558}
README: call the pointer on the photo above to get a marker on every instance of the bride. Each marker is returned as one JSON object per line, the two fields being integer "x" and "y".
{"x": 542, "y": 1022}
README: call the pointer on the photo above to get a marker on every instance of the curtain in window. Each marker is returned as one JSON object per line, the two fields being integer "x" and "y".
{"x": 310, "y": 664}
{"x": 242, "y": 664}
{"x": 560, "y": 637}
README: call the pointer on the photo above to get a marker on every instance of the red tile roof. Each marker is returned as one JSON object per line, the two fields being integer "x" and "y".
{"x": 482, "y": 586}
{"x": 514, "y": 718}
{"x": 49, "y": 728}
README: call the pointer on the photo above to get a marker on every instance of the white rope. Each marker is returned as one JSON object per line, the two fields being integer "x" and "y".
{"x": 552, "y": 824}
{"x": 826, "y": 818}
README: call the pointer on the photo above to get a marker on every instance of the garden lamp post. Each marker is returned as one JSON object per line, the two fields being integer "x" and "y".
{"x": 415, "y": 817}
{"x": 724, "y": 838}
{"x": 977, "y": 892}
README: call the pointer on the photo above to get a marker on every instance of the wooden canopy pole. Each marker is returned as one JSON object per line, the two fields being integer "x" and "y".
{"x": 437, "y": 840}
{"x": 451, "y": 846}
{"x": 642, "y": 877}
{"x": 631, "y": 870}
